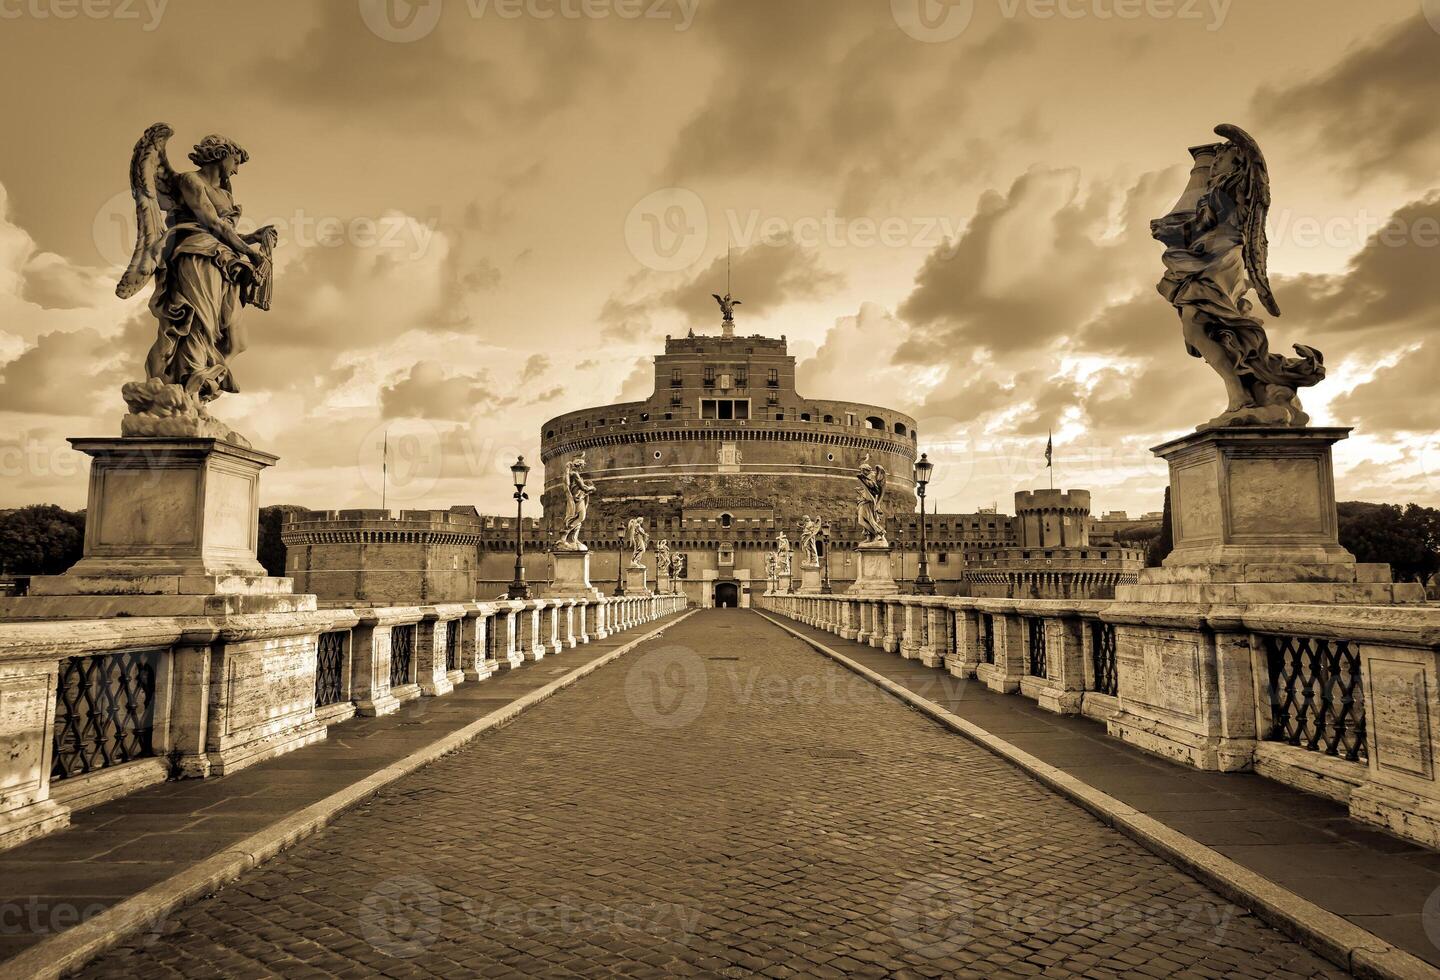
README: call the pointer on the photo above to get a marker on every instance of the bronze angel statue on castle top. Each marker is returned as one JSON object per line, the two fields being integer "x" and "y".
{"x": 1215, "y": 254}
{"x": 204, "y": 270}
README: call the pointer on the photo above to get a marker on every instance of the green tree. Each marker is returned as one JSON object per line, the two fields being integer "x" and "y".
{"x": 271, "y": 550}
{"x": 1405, "y": 538}
{"x": 1164, "y": 542}
{"x": 41, "y": 539}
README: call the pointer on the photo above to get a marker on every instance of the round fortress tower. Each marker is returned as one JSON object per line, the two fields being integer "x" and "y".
{"x": 725, "y": 426}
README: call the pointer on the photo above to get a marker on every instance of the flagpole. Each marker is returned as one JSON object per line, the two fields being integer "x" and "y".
{"x": 385, "y": 473}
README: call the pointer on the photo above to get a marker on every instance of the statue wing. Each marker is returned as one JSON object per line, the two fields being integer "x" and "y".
{"x": 151, "y": 184}
{"x": 1256, "y": 249}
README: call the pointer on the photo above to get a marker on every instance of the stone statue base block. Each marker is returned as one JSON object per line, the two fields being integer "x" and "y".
{"x": 171, "y": 529}
{"x": 636, "y": 582}
{"x": 874, "y": 576}
{"x": 810, "y": 579}
{"x": 1253, "y": 513}
{"x": 783, "y": 583}
{"x": 572, "y": 576}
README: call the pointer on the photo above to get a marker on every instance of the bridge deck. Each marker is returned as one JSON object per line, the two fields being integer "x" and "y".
{"x": 722, "y": 801}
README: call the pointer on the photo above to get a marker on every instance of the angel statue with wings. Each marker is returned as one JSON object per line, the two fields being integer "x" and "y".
{"x": 809, "y": 532}
{"x": 204, "y": 270}
{"x": 870, "y": 504}
{"x": 1215, "y": 253}
{"x": 638, "y": 537}
{"x": 662, "y": 556}
{"x": 578, "y": 491}
{"x": 727, "y": 306}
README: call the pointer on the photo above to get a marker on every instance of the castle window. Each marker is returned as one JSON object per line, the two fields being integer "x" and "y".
{"x": 644, "y": 416}
{"x": 550, "y": 434}
{"x": 709, "y": 377}
{"x": 726, "y": 520}
{"x": 829, "y": 419}
{"x": 657, "y": 454}
{"x": 779, "y": 416}
{"x": 742, "y": 379}
{"x": 943, "y": 558}
{"x": 849, "y": 418}
{"x": 804, "y": 416}
{"x": 899, "y": 428}
{"x": 675, "y": 379}
{"x": 772, "y": 379}
{"x": 875, "y": 422}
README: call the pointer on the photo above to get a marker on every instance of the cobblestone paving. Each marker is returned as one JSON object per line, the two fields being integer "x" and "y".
{"x": 724, "y": 802}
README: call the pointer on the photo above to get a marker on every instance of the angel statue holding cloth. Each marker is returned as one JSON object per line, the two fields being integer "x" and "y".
{"x": 1215, "y": 254}
{"x": 204, "y": 270}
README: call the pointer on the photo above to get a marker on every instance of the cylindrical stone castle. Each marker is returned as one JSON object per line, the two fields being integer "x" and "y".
{"x": 726, "y": 424}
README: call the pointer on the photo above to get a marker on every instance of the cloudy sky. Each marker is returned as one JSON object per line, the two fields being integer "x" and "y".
{"x": 493, "y": 211}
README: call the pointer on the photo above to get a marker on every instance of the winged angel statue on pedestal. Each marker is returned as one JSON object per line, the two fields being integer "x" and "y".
{"x": 204, "y": 270}
{"x": 870, "y": 505}
{"x": 1215, "y": 254}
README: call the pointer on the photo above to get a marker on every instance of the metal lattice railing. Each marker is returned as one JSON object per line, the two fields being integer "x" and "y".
{"x": 1036, "y": 647}
{"x": 492, "y": 625}
{"x": 329, "y": 668}
{"x": 1317, "y": 695}
{"x": 452, "y": 644}
{"x": 104, "y": 711}
{"x": 987, "y": 637}
{"x": 1102, "y": 657}
{"x": 402, "y": 648}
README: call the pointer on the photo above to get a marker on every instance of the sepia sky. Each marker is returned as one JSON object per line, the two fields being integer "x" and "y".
{"x": 493, "y": 211}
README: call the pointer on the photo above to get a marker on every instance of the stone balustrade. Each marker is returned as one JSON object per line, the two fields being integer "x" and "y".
{"x": 1332, "y": 699}
{"x": 93, "y": 709}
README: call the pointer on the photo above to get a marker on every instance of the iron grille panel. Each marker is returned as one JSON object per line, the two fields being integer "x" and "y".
{"x": 490, "y": 641}
{"x": 1038, "y": 650}
{"x": 452, "y": 644}
{"x": 402, "y": 648}
{"x": 104, "y": 711}
{"x": 1317, "y": 695}
{"x": 987, "y": 637}
{"x": 329, "y": 668}
{"x": 1102, "y": 657}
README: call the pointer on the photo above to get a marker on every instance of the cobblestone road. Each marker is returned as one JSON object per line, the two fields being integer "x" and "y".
{"x": 723, "y": 801}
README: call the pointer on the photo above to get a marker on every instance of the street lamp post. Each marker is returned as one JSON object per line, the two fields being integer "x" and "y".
{"x": 620, "y": 563}
{"x": 519, "y": 471}
{"x": 924, "y": 469}
{"x": 825, "y": 588}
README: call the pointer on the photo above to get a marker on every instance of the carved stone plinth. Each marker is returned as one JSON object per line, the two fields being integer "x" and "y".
{"x": 874, "y": 576}
{"x": 783, "y": 583}
{"x": 1253, "y": 511}
{"x": 636, "y": 582}
{"x": 171, "y": 530}
{"x": 572, "y": 576}
{"x": 810, "y": 579}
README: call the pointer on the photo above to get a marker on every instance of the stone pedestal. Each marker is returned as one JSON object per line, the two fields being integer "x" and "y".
{"x": 783, "y": 583}
{"x": 810, "y": 579}
{"x": 636, "y": 581}
{"x": 1253, "y": 512}
{"x": 874, "y": 576}
{"x": 171, "y": 530}
{"x": 572, "y": 576}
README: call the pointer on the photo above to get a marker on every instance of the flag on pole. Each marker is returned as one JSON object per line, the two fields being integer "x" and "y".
{"x": 1050, "y": 450}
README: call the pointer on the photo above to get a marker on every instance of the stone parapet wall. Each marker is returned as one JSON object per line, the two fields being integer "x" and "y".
{"x": 1221, "y": 688}
{"x": 206, "y": 696}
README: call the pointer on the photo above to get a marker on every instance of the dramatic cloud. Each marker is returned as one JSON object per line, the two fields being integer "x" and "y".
{"x": 1372, "y": 113}
{"x": 426, "y": 392}
{"x": 773, "y": 275}
{"x": 63, "y": 374}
